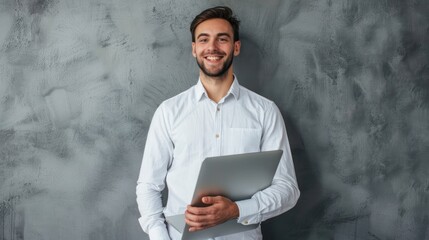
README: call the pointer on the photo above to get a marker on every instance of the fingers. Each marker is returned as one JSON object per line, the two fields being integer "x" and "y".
{"x": 203, "y": 218}
{"x": 193, "y": 229}
{"x": 212, "y": 200}
{"x": 199, "y": 222}
{"x": 217, "y": 211}
{"x": 201, "y": 210}
{"x": 214, "y": 203}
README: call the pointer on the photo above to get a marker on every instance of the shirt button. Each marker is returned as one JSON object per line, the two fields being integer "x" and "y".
{"x": 218, "y": 109}
{"x": 217, "y": 135}
{"x": 246, "y": 222}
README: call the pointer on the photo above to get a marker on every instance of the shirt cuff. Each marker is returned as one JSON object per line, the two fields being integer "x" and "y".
{"x": 159, "y": 233}
{"x": 249, "y": 211}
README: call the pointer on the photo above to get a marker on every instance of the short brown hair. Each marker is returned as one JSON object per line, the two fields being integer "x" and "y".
{"x": 222, "y": 12}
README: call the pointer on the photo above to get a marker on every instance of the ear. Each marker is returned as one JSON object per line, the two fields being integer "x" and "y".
{"x": 194, "y": 53}
{"x": 237, "y": 46}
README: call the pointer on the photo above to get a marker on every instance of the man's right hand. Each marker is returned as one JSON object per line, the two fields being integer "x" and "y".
{"x": 220, "y": 210}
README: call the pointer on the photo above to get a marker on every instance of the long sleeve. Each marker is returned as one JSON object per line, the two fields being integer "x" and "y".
{"x": 283, "y": 194}
{"x": 156, "y": 159}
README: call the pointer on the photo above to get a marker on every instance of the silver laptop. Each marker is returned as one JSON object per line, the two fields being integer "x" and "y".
{"x": 236, "y": 177}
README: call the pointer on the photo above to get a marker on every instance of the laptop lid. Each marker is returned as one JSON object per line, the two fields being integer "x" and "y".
{"x": 236, "y": 177}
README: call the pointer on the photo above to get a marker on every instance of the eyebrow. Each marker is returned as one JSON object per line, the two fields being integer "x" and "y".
{"x": 217, "y": 35}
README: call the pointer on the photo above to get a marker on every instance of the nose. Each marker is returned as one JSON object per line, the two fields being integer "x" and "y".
{"x": 212, "y": 45}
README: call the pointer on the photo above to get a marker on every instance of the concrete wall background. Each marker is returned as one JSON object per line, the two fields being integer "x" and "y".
{"x": 80, "y": 80}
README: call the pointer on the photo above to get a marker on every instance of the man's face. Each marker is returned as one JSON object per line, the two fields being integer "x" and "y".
{"x": 214, "y": 47}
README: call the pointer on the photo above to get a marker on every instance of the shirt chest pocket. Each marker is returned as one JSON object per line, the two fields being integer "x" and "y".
{"x": 241, "y": 140}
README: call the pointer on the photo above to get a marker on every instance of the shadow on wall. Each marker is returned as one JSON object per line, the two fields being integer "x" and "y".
{"x": 298, "y": 222}
{"x": 247, "y": 65}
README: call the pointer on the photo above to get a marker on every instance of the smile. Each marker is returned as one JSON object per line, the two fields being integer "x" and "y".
{"x": 213, "y": 58}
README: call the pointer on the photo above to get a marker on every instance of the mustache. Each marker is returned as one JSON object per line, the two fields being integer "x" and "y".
{"x": 216, "y": 52}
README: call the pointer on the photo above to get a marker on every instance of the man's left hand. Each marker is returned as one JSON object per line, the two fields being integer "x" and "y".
{"x": 220, "y": 210}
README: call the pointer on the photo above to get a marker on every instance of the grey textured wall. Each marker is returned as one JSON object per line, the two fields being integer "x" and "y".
{"x": 80, "y": 80}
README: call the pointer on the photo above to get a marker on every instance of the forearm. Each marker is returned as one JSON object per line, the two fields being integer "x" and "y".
{"x": 275, "y": 200}
{"x": 150, "y": 207}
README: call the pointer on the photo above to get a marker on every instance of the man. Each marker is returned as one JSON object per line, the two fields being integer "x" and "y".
{"x": 215, "y": 117}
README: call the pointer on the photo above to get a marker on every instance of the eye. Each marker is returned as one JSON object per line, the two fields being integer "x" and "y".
{"x": 223, "y": 40}
{"x": 202, "y": 40}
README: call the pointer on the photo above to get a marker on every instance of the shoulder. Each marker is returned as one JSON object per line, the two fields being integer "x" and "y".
{"x": 183, "y": 98}
{"x": 175, "y": 106}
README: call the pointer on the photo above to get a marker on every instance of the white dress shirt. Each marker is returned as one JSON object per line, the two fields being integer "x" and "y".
{"x": 188, "y": 128}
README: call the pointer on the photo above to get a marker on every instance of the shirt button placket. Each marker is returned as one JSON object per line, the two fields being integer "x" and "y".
{"x": 218, "y": 128}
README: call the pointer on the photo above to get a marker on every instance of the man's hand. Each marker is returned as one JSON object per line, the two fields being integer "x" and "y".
{"x": 220, "y": 210}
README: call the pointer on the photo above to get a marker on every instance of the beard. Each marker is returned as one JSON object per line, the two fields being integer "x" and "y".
{"x": 217, "y": 73}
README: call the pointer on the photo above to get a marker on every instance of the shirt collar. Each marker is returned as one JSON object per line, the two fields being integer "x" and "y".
{"x": 200, "y": 91}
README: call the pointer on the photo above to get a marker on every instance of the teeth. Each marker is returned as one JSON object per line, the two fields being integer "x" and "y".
{"x": 213, "y": 58}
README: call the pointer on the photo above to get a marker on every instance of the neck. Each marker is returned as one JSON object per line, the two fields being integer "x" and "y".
{"x": 217, "y": 87}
